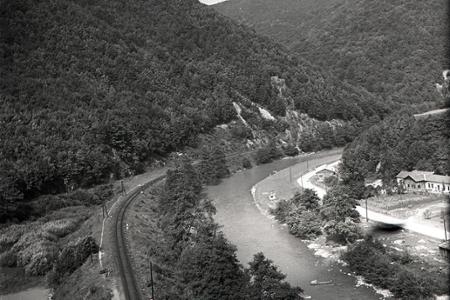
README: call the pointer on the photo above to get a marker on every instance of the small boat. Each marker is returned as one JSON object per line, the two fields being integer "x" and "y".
{"x": 315, "y": 282}
{"x": 305, "y": 296}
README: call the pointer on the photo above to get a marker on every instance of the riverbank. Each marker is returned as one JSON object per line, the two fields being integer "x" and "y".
{"x": 282, "y": 185}
{"x": 251, "y": 231}
{"x": 397, "y": 244}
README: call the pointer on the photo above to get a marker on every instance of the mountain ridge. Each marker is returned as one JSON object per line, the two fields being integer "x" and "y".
{"x": 393, "y": 49}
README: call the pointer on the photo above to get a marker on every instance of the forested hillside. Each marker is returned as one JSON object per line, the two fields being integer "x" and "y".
{"x": 400, "y": 142}
{"x": 391, "y": 48}
{"x": 91, "y": 90}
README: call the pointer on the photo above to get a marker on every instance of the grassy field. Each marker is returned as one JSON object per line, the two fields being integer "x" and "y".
{"x": 145, "y": 238}
{"x": 391, "y": 202}
{"x": 29, "y": 249}
{"x": 283, "y": 184}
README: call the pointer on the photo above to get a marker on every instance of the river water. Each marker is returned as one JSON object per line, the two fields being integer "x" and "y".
{"x": 251, "y": 231}
{"x": 36, "y": 293}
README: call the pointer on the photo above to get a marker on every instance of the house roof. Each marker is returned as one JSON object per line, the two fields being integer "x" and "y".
{"x": 326, "y": 170}
{"x": 445, "y": 245}
{"x": 419, "y": 176}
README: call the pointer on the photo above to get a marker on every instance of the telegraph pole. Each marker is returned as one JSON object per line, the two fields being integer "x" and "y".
{"x": 151, "y": 281}
{"x": 290, "y": 174}
{"x": 151, "y": 276}
{"x": 445, "y": 229}
{"x": 367, "y": 217}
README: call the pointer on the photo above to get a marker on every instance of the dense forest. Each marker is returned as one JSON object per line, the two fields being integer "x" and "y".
{"x": 192, "y": 258}
{"x": 91, "y": 90}
{"x": 391, "y": 48}
{"x": 400, "y": 142}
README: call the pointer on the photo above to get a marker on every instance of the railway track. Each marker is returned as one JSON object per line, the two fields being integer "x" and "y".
{"x": 130, "y": 285}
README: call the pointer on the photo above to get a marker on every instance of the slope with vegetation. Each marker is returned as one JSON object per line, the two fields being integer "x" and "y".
{"x": 390, "y": 48}
{"x": 93, "y": 90}
{"x": 191, "y": 258}
{"x": 400, "y": 142}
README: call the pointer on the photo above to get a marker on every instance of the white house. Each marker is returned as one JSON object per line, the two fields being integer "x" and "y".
{"x": 423, "y": 181}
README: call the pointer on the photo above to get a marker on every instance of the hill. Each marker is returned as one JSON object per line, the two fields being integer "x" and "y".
{"x": 394, "y": 49}
{"x": 94, "y": 90}
{"x": 400, "y": 142}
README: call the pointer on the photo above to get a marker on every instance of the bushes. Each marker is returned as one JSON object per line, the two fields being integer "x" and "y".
{"x": 241, "y": 132}
{"x": 42, "y": 256}
{"x": 36, "y": 251}
{"x": 282, "y": 210}
{"x": 369, "y": 259}
{"x": 342, "y": 232}
{"x": 61, "y": 228}
{"x": 48, "y": 203}
{"x": 246, "y": 163}
{"x": 267, "y": 154}
{"x": 70, "y": 258}
{"x": 10, "y": 235}
{"x": 8, "y": 259}
{"x": 213, "y": 165}
{"x": 290, "y": 150}
{"x": 300, "y": 213}
{"x": 304, "y": 224}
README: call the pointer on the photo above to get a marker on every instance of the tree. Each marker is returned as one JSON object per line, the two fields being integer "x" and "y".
{"x": 304, "y": 224}
{"x": 266, "y": 281}
{"x": 267, "y": 153}
{"x": 290, "y": 150}
{"x": 338, "y": 206}
{"x": 213, "y": 165}
{"x": 307, "y": 198}
{"x": 342, "y": 232}
{"x": 210, "y": 270}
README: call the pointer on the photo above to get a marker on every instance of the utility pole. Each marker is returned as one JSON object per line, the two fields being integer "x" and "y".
{"x": 367, "y": 217}
{"x": 290, "y": 174}
{"x": 151, "y": 281}
{"x": 445, "y": 229}
{"x": 151, "y": 275}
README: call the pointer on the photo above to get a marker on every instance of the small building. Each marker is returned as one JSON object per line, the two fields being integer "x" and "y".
{"x": 444, "y": 250}
{"x": 423, "y": 181}
{"x": 324, "y": 173}
{"x": 377, "y": 183}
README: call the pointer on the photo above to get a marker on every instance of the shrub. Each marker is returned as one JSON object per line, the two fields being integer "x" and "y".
{"x": 304, "y": 224}
{"x": 282, "y": 210}
{"x": 61, "y": 228}
{"x": 267, "y": 154}
{"x": 42, "y": 257}
{"x": 342, "y": 232}
{"x": 8, "y": 259}
{"x": 72, "y": 257}
{"x": 11, "y": 234}
{"x": 369, "y": 259}
{"x": 246, "y": 163}
{"x": 290, "y": 150}
{"x": 241, "y": 132}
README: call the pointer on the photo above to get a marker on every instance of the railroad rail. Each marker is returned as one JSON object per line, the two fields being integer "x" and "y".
{"x": 130, "y": 286}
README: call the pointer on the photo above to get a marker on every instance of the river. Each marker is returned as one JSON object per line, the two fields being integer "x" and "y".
{"x": 251, "y": 231}
{"x": 37, "y": 293}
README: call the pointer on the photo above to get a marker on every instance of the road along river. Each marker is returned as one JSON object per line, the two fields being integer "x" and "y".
{"x": 251, "y": 231}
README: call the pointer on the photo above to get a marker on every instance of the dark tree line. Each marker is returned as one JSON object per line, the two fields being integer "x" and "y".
{"x": 400, "y": 142}
{"x": 194, "y": 259}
